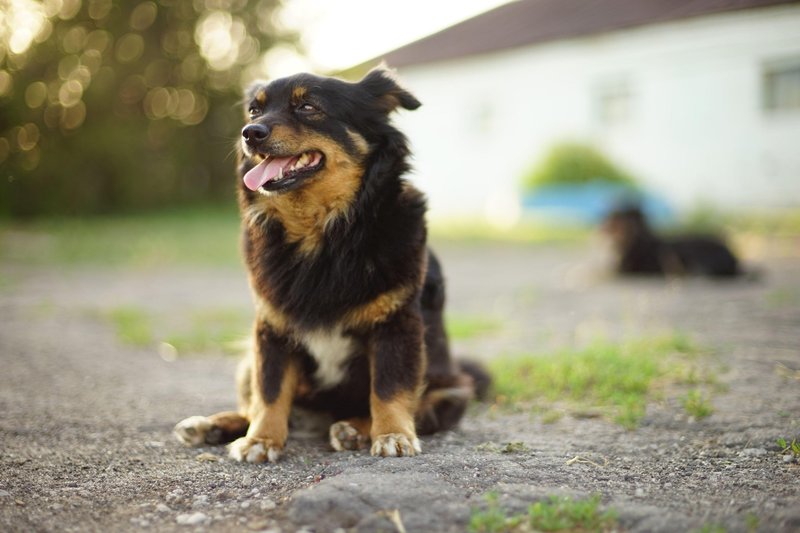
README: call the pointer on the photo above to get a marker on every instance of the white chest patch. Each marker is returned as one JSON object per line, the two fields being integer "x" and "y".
{"x": 330, "y": 349}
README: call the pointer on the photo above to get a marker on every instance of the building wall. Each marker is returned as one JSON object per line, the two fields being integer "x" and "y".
{"x": 679, "y": 104}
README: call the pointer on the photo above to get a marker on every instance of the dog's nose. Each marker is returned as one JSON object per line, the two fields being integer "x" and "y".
{"x": 253, "y": 133}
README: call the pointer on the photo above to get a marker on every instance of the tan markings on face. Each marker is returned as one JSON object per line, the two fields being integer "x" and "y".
{"x": 261, "y": 97}
{"x": 307, "y": 211}
{"x": 298, "y": 93}
{"x": 379, "y": 309}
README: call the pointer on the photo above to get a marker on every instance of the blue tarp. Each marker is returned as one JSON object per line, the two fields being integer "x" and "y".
{"x": 589, "y": 203}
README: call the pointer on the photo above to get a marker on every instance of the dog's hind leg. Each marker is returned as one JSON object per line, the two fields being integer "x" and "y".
{"x": 224, "y": 427}
{"x": 220, "y": 428}
{"x": 350, "y": 434}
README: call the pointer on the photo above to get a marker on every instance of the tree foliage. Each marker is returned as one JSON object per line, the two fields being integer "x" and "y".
{"x": 110, "y": 105}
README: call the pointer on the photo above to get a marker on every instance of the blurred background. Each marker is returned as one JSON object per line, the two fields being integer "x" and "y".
{"x": 119, "y": 121}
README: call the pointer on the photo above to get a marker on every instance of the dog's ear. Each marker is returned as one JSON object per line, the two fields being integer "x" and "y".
{"x": 380, "y": 83}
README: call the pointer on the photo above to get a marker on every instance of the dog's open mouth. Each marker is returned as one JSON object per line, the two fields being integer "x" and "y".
{"x": 277, "y": 172}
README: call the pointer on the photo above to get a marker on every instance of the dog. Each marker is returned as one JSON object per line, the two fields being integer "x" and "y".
{"x": 348, "y": 297}
{"x": 640, "y": 251}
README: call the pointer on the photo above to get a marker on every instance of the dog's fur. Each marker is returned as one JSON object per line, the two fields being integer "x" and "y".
{"x": 348, "y": 297}
{"x": 640, "y": 251}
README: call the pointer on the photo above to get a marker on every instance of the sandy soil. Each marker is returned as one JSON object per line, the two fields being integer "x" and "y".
{"x": 85, "y": 441}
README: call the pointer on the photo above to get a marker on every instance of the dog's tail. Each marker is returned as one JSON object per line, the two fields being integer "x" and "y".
{"x": 446, "y": 400}
{"x": 481, "y": 380}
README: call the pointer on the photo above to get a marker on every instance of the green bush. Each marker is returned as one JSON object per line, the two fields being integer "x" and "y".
{"x": 571, "y": 163}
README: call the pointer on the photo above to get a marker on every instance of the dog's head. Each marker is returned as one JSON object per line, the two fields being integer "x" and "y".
{"x": 306, "y": 128}
{"x": 624, "y": 225}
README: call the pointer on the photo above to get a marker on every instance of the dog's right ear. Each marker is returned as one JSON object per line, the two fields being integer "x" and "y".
{"x": 380, "y": 83}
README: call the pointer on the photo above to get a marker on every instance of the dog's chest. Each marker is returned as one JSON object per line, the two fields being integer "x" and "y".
{"x": 330, "y": 350}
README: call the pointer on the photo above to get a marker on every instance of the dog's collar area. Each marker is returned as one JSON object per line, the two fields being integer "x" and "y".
{"x": 276, "y": 172}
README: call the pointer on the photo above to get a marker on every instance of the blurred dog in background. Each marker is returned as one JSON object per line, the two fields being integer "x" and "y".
{"x": 639, "y": 250}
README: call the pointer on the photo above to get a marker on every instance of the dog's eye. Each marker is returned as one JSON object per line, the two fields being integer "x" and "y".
{"x": 307, "y": 108}
{"x": 254, "y": 112}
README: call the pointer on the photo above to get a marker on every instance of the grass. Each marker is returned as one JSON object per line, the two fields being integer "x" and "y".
{"x": 212, "y": 330}
{"x": 554, "y": 514}
{"x": 697, "y": 405}
{"x": 618, "y": 379}
{"x": 196, "y": 236}
{"x": 523, "y": 232}
{"x": 203, "y": 331}
{"x": 210, "y": 236}
{"x": 133, "y": 326}
{"x": 462, "y": 327}
{"x": 710, "y": 528}
{"x": 782, "y": 298}
{"x": 789, "y": 448}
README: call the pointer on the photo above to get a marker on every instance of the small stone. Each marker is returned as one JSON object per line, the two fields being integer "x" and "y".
{"x": 4, "y": 493}
{"x": 193, "y": 519}
{"x": 640, "y": 493}
{"x": 244, "y": 505}
{"x": 161, "y": 508}
{"x": 201, "y": 500}
{"x": 788, "y": 459}
{"x": 268, "y": 505}
{"x": 753, "y": 452}
{"x": 207, "y": 457}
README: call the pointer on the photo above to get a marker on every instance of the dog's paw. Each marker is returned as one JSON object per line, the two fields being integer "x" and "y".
{"x": 395, "y": 445}
{"x": 250, "y": 450}
{"x": 344, "y": 436}
{"x": 192, "y": 431}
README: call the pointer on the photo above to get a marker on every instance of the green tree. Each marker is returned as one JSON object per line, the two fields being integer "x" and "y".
{"x": 108, "y": 105}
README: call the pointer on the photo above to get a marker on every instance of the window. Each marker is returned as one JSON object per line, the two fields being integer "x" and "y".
{"x": 781, "y": 86}
{"x": 614, "y": 102}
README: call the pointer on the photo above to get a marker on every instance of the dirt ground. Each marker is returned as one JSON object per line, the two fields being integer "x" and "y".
{"x": 85, "y": 423}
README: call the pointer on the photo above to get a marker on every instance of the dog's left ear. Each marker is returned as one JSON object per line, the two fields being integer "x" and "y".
{"x": 381, "y": 84}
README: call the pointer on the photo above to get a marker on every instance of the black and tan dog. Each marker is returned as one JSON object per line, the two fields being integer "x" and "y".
{"x": 640, "y": 251}
{"x": 348, "y": 297}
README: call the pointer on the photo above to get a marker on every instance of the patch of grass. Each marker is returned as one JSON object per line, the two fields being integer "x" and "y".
{"x": 203, "y": 331}
{"x": 782, "y": 298}
{"x": 196, "y": 236}
{"x": 523, "y": 232}
{"x": 751, "y": 522}
{"x": 566, "y": 514}
{"x": 787, "y": 448}
{"x": 618, "y": 379}
{"x": 493, "y": 519}
{"x": 710, "y": 528}
{"x": 461, "y": 327}
{"x": 554, "y": 514}
{"x": 707, "y": 218}
{"x": 212, "y": 329}
{"x": 552, "y": 416}
{"x": 697, "y": 405}
{"x": 133, "y": 326}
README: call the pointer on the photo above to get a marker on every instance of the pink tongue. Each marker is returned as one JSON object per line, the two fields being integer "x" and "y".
{"x": 265, "y": 171}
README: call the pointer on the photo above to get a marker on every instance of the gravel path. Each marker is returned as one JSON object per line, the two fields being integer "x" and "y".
{"x": 85, "y": 440}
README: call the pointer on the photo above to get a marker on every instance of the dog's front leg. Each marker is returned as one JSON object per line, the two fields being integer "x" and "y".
{"x": 273, "y": 384}
{"x": 397, "y": 365}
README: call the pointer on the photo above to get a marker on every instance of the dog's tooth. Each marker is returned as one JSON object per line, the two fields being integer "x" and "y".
{"x": 280, "y": 173}
{"x": 303, "y": 161}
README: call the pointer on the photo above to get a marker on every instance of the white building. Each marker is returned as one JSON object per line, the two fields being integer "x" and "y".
{"x": 698, "y": 99}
